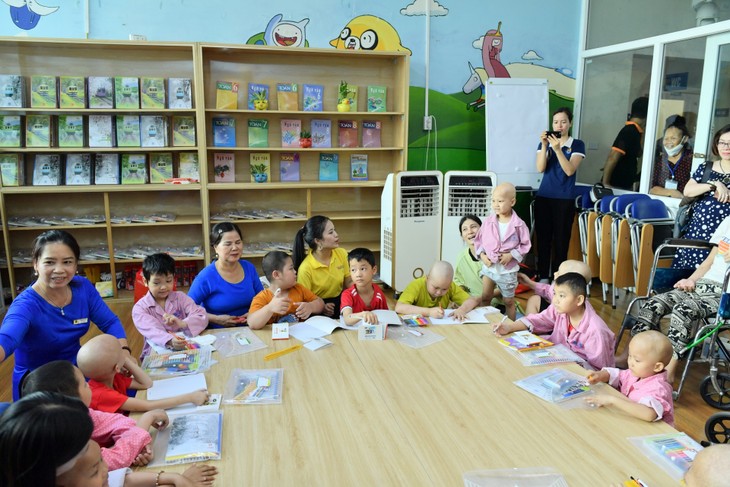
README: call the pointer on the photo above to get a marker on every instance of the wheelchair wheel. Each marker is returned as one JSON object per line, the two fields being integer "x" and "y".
{"x": 717, "y": 428}
{"x": 711, "y": 396}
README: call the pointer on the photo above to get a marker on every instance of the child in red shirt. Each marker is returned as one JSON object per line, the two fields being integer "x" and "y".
{"x": 359, "y": 300}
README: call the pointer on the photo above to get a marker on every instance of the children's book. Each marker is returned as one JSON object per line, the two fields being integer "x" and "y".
{"x": 316, "y": 327}
{"x": 106, "y": 169}
{"x": 153, "y": 93}
{"x": 43, "y": 92}
{"x": 38, "y": 131}
{"x": 78, "y": 169}
{"x": 161, "y": 167}
{"x": 47, "y": 170}
{"x": 321, "y": 133}
{"x": 224, "y": 167}
{"x": 100, "y": 91}
{"x": 523, "y": 341}
{"x": 183, "y": 131}
{"x": 101, "y": 131}
{"x": 258, "y": 132}
{"x": 192, "y": 437}
{"x": 290, "y": 132}
{"x": 153, "y": 131}
{"x": 188, "y": 166}
{"x": 72, "y": 91}
{"x": 226, "y": 95}
{"x": 359, "y": 167}
{"x": 329, "y": 167}
{"x": 556, "y": 354}
{"x": 347, "y": 134}
{"x": 70, "y": 131}
{"x": 352, "y": 95}
{"x": 312, "y": 98}
{"x": 12, "y": 91}
{"x": 128, "y": 131}
{"x": 556, "y": 385}
{"x": 224, "y": 131}
{"x": 175, "y": 386}
{"x": 10, "y": 131}
{"x": 674, "y": 452}
{"x": 179, "y": 93}
{"x": 376, "y": 98}
{"x": 287, "y": 96}
{"x": 172, "y": 364}
{"x": 258, "y": 96}
{"x": 134, "y": 169}
{"x": 475, "y": 316}
{"x": 126, "y": 92}
{"x": 12, "y": 169}
{"x": 371, "y": 133}
{"x": 262, "y": 386}
{"x": 289, "y": 167}
{"x": 260, "y": 167}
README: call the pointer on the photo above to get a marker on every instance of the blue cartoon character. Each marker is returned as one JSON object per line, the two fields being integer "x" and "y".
{"x": 284, "y": 33}
{"x": 369, "y": 33}
{"x": 27, "y": 13}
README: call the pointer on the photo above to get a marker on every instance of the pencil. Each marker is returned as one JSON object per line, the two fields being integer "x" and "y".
{"x": 281, "y": 352}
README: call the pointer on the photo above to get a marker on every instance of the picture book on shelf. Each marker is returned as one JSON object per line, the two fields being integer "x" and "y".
{"x": 329, "y": 167}
{"x": 347, "y": 133}
{"x": 12, "y": 169}
{"x": 100, "y": 91}
{"x": 101, "y": 131}
{"x": 78, "y": 169}
{"x": 370, "y": 133}
{"x": 38, "y": 131}
{"x": 226, "y": 94}
{"x": 161, "y": 166}
{"x": 376, "y": 98}
{"x": 72, "y": 92}
{"x": 106, "y": 169}
{"x": 312, "y": 98}
{"x": 70, "y": 131}
{"x": 352, "y": 95}
{"x": 289, "y": 166}
{"x": 134, "y": 169}
{"x": 153, "y": 92}
{"x": 321, "y": 131}
{"x": 258, "y": 96}
{"x": 556, "y": 385}
{"x": 188, "y": 166}
{"x": 128, "y": 131}
{"x": 290, "y": 131}
{"x": 183, "y": 131}
{"x": 179, "y": 93}
{"x": 258, "y": 132}
{"x": 224, "y": 131}
{"x": 153, "y": 131}
{"x": 126, "y": 92}
{"x": 224, "y": 167}
{"x": 287, "y": 96}
{"x": 12, "y": 91}
{"x": 359, "y": 167}
{"x": 43, "y": 92}
{"x": 10, "y": 131}
{"x": 47, "y": 170}
{"x": 260, "y": 167}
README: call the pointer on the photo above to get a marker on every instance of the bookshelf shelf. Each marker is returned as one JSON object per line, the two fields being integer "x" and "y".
{"x": 299, "y": 149}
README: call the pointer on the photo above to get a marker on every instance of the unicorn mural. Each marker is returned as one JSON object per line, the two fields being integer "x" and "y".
{"x": 477, "y": 79}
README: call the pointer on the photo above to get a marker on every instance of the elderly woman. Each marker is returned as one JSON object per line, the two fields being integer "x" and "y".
{"x": 673, "y": 163}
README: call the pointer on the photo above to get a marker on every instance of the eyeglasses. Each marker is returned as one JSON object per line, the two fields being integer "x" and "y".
{"x": 722, "y": 143}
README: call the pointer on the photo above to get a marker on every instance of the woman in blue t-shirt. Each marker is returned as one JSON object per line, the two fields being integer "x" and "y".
{"x": 558, "y": 158}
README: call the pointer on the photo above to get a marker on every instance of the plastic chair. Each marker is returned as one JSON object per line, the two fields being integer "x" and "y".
{"x": 604, "y": 251}
{"x": 650, "y": 225}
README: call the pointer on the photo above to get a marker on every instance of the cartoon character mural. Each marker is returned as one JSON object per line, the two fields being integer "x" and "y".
{"x": 491, "y": 47}
{"x": 284, "y": 33}
{"x": 369, "y": 33}
{"x": 477, "y": 80}
{"x": 27, "y": 13}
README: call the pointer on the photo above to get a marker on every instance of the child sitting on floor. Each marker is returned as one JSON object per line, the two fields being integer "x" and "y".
{"x": 501, "y": 243}
{"x": 163, "y": 316}
{"x": 648, "y": 394}
{"x": 102, "y": 360}
{"x": 286, "y": 299}
{"x": 544, "y": 292}
{"x": 363, "y": 297}
{"x": 123, "y": 441}
{"x": 431, "y": 294}
{"x": 570, "y": 320}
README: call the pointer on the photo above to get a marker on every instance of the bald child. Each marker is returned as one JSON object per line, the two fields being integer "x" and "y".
{"x": 431, "y": 294}
{"x": 544, "y": 292}
{"x": 710, "y": 468}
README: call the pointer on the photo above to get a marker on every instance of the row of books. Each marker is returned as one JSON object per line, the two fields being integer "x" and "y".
{"x": 293, "y": 135}
{"x": 256, "y": 214}
{"x": 224, "y": 167}
{"x": 287, "y": 96}
{"x": 73, "y": 131}
{"x": 84, "y": 169}
{"x": 101, "y": 92}
{"x": 51, "y": 221}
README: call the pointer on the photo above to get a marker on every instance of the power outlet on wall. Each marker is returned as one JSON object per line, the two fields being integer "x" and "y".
{"x": 428, "y": 122}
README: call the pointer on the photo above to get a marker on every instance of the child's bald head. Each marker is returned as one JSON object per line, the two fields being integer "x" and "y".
{"x": 100, "y": 357}
{"x": 507, "y": 190}
{"x": 577, "y": 266}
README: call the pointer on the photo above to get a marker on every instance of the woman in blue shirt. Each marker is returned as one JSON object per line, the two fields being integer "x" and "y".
{"x": 558, "y": 159}
{"x": 47, "y": 320}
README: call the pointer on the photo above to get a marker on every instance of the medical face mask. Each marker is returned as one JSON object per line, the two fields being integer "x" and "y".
{"x": 673, "y": 151}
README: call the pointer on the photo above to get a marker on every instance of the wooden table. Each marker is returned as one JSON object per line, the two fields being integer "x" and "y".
{"x": 381, "y": 413}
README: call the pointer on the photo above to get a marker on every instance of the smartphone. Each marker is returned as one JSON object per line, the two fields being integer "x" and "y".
{"x": 554, "y": 133}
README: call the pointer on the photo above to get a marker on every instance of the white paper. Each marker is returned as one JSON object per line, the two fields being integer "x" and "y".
{"x": 474, "y": 316}
{"x": 214, "y": 402}
{"x": 385, "y": 317}
{"x": 316, "y": 327}
{"x": 166, "y": 388}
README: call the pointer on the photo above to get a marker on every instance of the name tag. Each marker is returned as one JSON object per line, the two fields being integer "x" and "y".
{"x": 81, "y": 321}
{"x": 671, "y": 184}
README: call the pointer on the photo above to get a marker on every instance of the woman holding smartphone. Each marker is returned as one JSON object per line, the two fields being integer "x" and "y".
{"x": 558, "y": 158}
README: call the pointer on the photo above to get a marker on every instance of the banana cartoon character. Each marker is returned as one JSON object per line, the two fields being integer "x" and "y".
{"x": 369, "y": 33}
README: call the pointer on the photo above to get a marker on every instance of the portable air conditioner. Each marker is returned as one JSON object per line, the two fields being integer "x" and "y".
{"x": 410, "y": 236}
{"x": 465, "y": 193}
